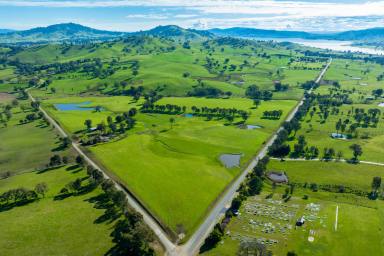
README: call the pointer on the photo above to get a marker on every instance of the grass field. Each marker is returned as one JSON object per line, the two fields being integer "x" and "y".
{"x": 319, "y": 134}
{"x": 180, "y": 165}
{"x": 358, "y": 217}
{"x": 25, "y": 147}
{"x": 164, "y": 71}
{"x": 50, "y": 227}
{"x": 353, "y": 175}
{"x": 354, "y": 223}
{"x": 357, "y": 80}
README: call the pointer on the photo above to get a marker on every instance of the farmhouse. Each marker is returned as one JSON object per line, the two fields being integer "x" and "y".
{"x": 277, "y": 177}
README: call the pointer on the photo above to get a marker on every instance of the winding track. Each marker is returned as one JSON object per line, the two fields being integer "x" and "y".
{"x": 192, "y": 246}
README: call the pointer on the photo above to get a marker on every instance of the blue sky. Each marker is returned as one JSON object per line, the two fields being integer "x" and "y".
{"x": 133, "y": 15}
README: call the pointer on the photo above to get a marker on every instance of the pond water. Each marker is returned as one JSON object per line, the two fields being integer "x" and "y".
{"x": 381, "y": 105}
{"x": 252, "y": 127}
{"x": 73, "y": 106}
{"x": 188, "y": 115}
{"x": 230, "y": 160}
{"x": 339, "y": 136}
{"x": 335, "y": 45}
{"x": 278, "y": 177}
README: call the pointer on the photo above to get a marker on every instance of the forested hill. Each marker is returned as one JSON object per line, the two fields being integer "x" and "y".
{"x": 71, "y": 32}
{"x": 57, "y": 33}
{"x": 176, "y": 31}
{"x": 353, "y": 35}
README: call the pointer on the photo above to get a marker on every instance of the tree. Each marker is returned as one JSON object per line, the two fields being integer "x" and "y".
{"x": 171, "y": 121}
{"x": 280, "y": 151}
{"x": 357, "y": 151}
{"x": 236, "y": 203}
{"x": 252, "y": 247}
{"x": 256, "y": 102}
{"x": 214, "y": 237}
{"x": 338, "y": 126}
{"x": 376, "y": 183}
{"x": 80, "y": 160}
{"x": 41, "y": 188}
{"x": 65, "y": 160}
{"x": 55, "y": 160}
{"x": 255, "y": 186}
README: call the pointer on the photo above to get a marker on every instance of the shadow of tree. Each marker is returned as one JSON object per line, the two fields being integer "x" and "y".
{"x": 10, "y": 206}
{"x": 102, "y": 201}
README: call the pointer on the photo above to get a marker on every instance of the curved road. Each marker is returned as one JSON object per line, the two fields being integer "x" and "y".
{"x": 192, "y": 246}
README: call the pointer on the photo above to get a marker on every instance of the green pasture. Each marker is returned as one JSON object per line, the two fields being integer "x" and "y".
{"x": 329, "y": 173}
{"x": 319, "y": 134}
{"x": 70, "y": 226}
{"x": 354, "y": 223}
{"x": 179, "y": 165}
{"x": 25, "y": 147}
{"x": 164, "y": 71}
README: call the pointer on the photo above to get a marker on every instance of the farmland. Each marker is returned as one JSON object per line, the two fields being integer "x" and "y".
{"x": 271, "y": 218}
{"x": 171, "y": 124}
{"x": 183, "y": 154}
{"x": 356, "y": 81}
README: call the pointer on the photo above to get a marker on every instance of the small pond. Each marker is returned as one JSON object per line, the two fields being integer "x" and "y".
{"x": 381, "y": 105}
{"x": 188, "y": 115}
{"x": 278, "y": 177}
{"x": 230, "y": 160}
{"x": 73, "y": 106}
{"x": 339, "y": 136}
{"x": 252, "y": 127}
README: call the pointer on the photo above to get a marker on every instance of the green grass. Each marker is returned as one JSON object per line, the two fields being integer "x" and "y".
{"x": 163, "y": 71}
{"x": 318, "y": 133}
{"x": 176, "y": 164}
{"x": 354, "y": 222}
{"x": 27, "y": 146}
{"x": 352, "y": 175}
{"x": 52, "y": 227}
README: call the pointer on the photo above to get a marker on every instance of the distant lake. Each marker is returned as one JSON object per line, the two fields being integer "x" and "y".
{"x": 343, "y": 46}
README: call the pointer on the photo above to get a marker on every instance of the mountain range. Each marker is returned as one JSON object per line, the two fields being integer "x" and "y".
{"x": 71, "y": 32}
{"x": 352, "y": 35}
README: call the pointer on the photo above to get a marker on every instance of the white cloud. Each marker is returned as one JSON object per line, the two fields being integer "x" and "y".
{"x": 147, "y": 16}
{"x": 301, "y": 14}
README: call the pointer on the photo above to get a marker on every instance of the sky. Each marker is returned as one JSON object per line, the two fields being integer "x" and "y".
{"x": 135, "y": 15}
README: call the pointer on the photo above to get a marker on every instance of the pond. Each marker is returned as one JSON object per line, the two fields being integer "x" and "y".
{"x": 381, "y": 105}
{"x": 278, "y": 177}
{"x": 230, "y": 160}
{"x": 339, "y": 136}
{"x": 249, "y": 126}
{"x": 188, "y": 115}
{"x": 252, "y": 127}
{"x": 73, "y": 106}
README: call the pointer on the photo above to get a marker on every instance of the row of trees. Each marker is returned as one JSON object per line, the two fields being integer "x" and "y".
{"x": 272, "y": 114}
{"x": 251, "y": 186}
{"x": 20, "y": 196}
{"x": 227, "y": 113}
